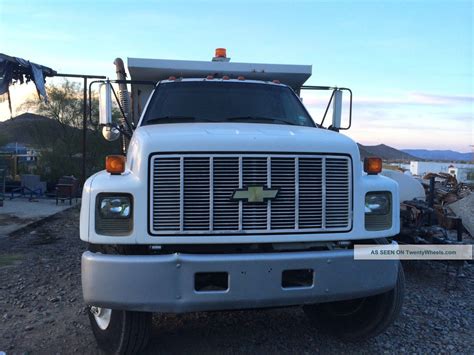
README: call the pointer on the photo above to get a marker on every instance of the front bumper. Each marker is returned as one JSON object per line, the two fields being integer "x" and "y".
{"x": 165, "y": 283}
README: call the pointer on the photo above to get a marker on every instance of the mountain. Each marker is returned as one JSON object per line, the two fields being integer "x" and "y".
{"x": 31, "y": 129}
{"x": 385, "y": 152}
{"x": 439, "y": 154}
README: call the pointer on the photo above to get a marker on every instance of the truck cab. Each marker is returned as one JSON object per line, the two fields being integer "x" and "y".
{"x": 231, "y": 196}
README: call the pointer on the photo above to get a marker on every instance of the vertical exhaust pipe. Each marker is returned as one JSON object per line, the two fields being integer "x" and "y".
{"x": 124, "y": 96}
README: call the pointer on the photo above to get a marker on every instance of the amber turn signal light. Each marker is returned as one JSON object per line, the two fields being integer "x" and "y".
{"x": 373, "y": 165}
{"x": 115, "y": 164}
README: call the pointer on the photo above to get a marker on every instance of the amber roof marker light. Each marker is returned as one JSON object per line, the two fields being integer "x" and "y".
{"x": 221, "y": 53}
{"x": 373, "y": 165}
{"x": 115, "y": 164}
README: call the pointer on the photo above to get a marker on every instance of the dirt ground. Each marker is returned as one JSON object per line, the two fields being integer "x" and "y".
{"x": 41, "y": 309}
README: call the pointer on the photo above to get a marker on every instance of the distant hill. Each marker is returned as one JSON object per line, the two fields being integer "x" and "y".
{"x": 439, "y": 154}
{"x": 385, "y": 152}
{"x": 31, "y": 129}
{"x": 391, "y": 154}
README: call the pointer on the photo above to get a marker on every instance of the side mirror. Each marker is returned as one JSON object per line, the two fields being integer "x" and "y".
{"x": 337, "y": 111}
{"x": 109, "y": 132}
{"x": 105, "y": 104}
{"x": 336, "y": 101}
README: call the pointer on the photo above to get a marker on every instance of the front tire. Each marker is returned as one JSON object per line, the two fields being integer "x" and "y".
{"x": 362, "y": 318}
{"x": 120, "y": 332}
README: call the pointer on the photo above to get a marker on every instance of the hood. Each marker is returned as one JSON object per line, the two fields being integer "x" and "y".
{"x": 233, "y": 138}
{"x": 239, "y": 137}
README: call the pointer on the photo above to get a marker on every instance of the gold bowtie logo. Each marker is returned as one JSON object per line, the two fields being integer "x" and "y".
{"x": 255, "y": 194}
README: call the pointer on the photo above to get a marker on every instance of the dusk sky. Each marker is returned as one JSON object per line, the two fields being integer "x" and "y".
{"x": 409, "y": 63}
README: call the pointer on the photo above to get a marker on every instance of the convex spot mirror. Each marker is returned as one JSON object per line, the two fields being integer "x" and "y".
{"x": 110, "y": 133}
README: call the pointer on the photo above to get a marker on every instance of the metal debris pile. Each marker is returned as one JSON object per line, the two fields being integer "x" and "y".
{"x": 447, "y": 188}
{"x": 445, "y": 217}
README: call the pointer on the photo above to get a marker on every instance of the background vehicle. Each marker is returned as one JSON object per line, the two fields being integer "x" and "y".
{"x": 232, "y": 197}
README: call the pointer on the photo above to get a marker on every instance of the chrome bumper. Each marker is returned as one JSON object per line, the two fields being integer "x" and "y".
{"x": 166, "y": 283}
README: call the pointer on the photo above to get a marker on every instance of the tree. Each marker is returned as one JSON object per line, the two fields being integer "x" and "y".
{"x": 60, "y": 145}
{"x": 64, "y": 104}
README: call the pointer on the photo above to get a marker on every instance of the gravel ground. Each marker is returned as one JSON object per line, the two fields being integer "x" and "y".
{"x": 41, "y": 309}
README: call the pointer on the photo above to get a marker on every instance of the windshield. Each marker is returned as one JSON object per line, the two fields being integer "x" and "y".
{"x": 204, "y": 101}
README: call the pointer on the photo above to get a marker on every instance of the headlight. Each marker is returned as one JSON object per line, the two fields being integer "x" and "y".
{"x": 115, "y": 207}
{"x": 114, "y": 214}
{"x": 378, "y": 210}
{"x": 377, "y": 203}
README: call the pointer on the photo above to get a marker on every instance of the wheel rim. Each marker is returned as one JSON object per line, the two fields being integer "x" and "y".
{"x": 101, "y": 316}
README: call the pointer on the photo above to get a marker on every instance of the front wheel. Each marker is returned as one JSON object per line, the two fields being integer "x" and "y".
{"x": 362, "y": 318}
{"x": 120, "y": 332}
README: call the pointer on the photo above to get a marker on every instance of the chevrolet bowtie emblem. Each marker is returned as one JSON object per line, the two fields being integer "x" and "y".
{"x": 255, "y": 194}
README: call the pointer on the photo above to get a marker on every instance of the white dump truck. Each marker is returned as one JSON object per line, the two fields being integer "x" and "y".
{"x": 231, "y": 196}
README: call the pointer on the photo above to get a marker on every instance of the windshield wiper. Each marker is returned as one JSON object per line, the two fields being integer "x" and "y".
{"x": 176, "y": 119}
{"x": 259, "y": 118}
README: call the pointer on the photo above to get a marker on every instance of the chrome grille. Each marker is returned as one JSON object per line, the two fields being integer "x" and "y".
{"x": 254, "y": 172}
{"x": 311, "y": 185}
{"x": 166, "y": 194}
{"x": 336, "y": 212}
{"x": 226, "y": 180}
{"x": 197, "y": 192}
{"x": 191, "y": 194}
{"x": 282, "y": 209}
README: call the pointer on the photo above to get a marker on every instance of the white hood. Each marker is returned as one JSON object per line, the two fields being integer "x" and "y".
{"x": 233, "y": 138}
{"x": 239, "y": 137}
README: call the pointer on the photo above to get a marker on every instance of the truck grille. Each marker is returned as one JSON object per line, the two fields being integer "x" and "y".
{"x": 192, "y": 194}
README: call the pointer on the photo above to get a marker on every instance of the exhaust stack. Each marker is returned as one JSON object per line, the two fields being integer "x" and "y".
{"x": 124, "y": 96}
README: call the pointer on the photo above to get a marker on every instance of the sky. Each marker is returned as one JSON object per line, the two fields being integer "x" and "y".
{"x": 409, "y": 63}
